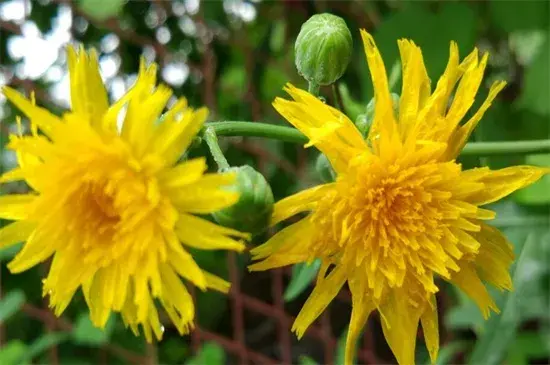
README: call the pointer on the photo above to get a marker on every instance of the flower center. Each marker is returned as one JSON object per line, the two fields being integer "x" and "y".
{"x": 388, "y": 222}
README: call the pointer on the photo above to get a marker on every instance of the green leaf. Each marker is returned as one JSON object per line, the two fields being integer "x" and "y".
{"x": 535, "y": 92}
{"x": 527, "y": 345}
{"x": 510, "y": 16}
{"x": 11, "y": 303}
{"x": 306, "y": 360}
{"x": 302, "y": 275}
{"x": 210, "y": 353}
{"x": 341, "y": 348}
{"x": 539, "y": 192}
{"x": 464, "y": 316}
{"x": 101, "y": 9}
{"x": 9, "y": 252}
{"x": 85, "y": 333}
{"x": 352, "y": 107}
{"x": 277, "y": 39}
{"x": 500, "y": 330}
{"x": 11, "y": 352}
{"x": 452, "y": 22}
{"x": 447, "y": 352}
{"x": 42, "y": 344}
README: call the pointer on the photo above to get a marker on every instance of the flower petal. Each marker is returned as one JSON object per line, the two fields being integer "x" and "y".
{"x": 499, "y": 183}
{"x": 16, "y": 232}
{"x": 400, "y": 324}
{"x": 319, "y": 299}
{"x": 299, "y": 202}
{"x": 430, "y": 328}
{"x": 361, "y": 308}
{"x": 16, "y": 206}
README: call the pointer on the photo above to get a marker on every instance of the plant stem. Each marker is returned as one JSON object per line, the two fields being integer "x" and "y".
{"x": 335, "y": 97}
{"x": 288, "y": 134}
{"x": 313, "y": 88}
{"x": 212, "y": 141}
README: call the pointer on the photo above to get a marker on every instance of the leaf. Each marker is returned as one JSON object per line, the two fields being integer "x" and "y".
{"x": 535, "y": 92}
{"x": 453, "y": 21}
{"x": 500, "y": 329}
{"x": 539, "y": 192}
{"x": 277, "y": 38}
{"x": 45, "y": 342}
{"x": 210, "y": 353}
{"x": 11, "y": 303}
{"x": 306, "y": 360}
{"x": 352, "y": 107}
{"x": 302, "y": 275}
{"x": 341, "y": 348}
{"x": 85, "y": 333}
{"x": 447, "y": 352}
{"x": 11, "y": 352}
{"x": 101, "y": 9}
{"x": 9, "y": 252}
{"x": 510, "y": 16}
{"x": 527, "y": 345}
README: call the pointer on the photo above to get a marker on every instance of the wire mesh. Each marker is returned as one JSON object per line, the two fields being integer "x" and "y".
{"x": 286, "y": 349}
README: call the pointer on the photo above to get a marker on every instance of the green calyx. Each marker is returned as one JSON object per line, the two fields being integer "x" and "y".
{"x": 323, "y": 49}
{"x": 252, "y": 212}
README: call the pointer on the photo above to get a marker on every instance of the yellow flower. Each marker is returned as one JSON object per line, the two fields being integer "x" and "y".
{"x": 113, "y": 205}
{"x": 401, "y": 211}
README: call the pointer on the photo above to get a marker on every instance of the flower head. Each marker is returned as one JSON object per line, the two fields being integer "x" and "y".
{"x": 401, "y": 212}
{"x": 113, "y": 205}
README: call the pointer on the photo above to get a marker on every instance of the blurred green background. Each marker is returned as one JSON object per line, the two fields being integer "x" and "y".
{"x": 234, "y": 57}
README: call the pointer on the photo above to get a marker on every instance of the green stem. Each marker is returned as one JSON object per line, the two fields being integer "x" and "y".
{"x": 288, "y": 134}
{"x": 212, "y": 141}
{"x": 335, "y": 97}
{"x": 313, "y": 88}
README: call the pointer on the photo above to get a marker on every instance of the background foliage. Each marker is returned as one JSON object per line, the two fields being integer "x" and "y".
{"x": 234, "y": 56}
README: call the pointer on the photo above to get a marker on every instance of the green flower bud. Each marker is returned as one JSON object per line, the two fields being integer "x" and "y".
{"x": 324, "y": 169}
{"x": 253, "y": 210}
{"x": 364, "y": 121}
{"x": 323, "y": 49}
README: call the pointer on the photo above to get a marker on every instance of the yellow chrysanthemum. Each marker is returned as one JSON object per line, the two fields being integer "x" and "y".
{"x": 401, "y": 211}
{"x": 113, "y": 206}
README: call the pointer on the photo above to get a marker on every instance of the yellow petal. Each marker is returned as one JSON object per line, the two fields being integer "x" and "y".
{"x": 88, "y": 93}
{"x": 361, "y": 308}
{"x": 500, "y": 183}
{"x": 216, "y": 283}
{"x": 208, "y": 194}
{"x": 319, "y": 299}
{"x": 327, "y": 128}
{"x": 460, "y": 137}
{"x": 416, "y": 85}
{"x": 285, "y": 240}
{"x": 176, "y": 132}
{"x": 184, "y": 173}
{"x": 299, "y": 202}
{"x": 16, "y": 232}
{"x": 384, "y": 127}
{"x": 430, "y": 328}
{"x": 47, "y": 122}
{"x": 199, "y": 233}
{"x": 16, "y": 206}
{"x": 469, "y": 282}
{"x": 496, "y": 255}
{"x": 400, "y": 325}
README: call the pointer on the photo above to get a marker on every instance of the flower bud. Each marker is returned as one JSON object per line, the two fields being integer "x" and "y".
{"x": 364, "y": 121}
{"x": 323, "y": 49}
{"x": 253, "y": 210}
{"x": 324, "y": 169}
